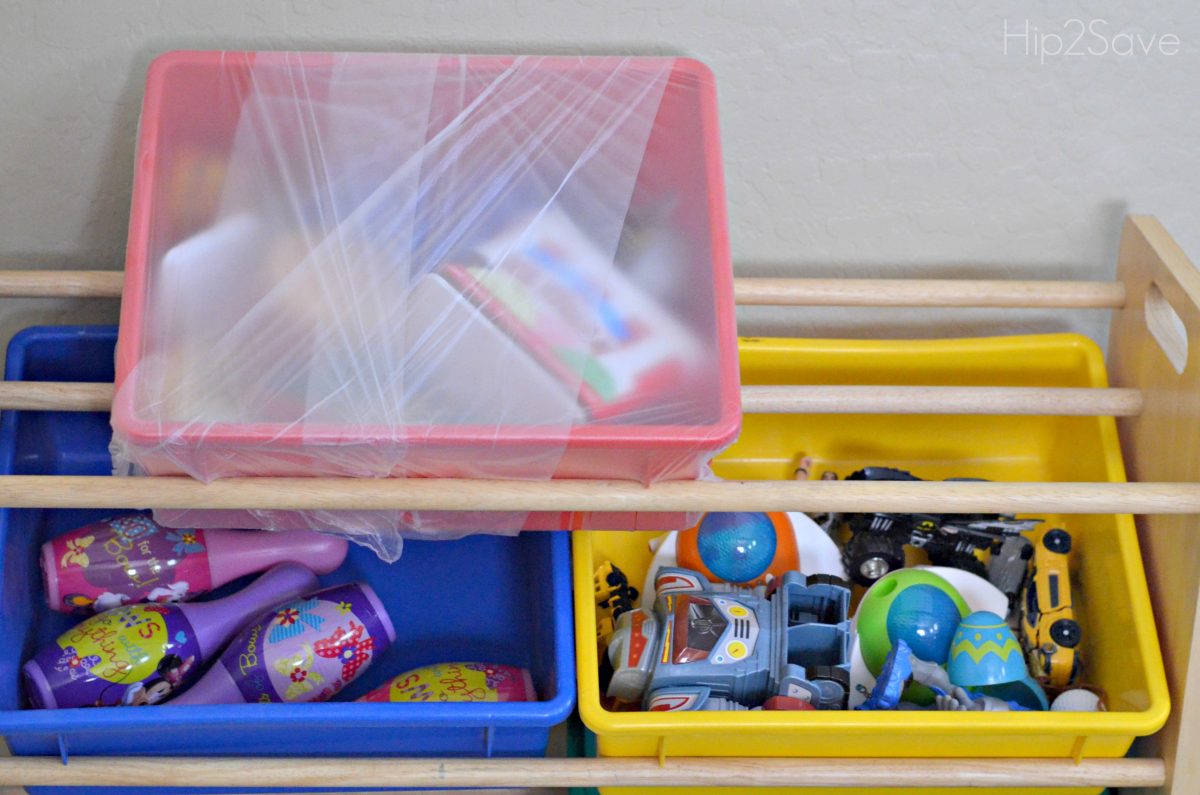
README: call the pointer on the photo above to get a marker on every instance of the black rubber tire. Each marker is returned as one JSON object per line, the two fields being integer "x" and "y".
{"x": 830, "y": 673}
{"x": 1066, "y": 633}
{"x": 881, "y": 473}
{"x": 960, "y": 560}
{"x": 1057, "y": 540}
{"x": 866, "y": 546}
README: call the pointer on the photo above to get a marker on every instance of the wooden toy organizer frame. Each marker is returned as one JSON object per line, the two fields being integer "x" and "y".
{"x": 1154, "y": 360}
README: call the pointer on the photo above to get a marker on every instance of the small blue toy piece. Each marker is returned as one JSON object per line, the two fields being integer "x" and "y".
{"x": 901, "y": 665}
{"x": 708, "y": 646}
{"x": 986, "y": 658}
{"x": 889, "y": 685}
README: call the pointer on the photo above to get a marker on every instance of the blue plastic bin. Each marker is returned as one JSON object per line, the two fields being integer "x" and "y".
{"x": 487, "y": 598}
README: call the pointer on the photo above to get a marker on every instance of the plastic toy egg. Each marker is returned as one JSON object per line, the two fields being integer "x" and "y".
{"x": 917, "y": 606}
{"x": 985, "y": 652}
{"x": 986, "y": 657}
{"x": 739, "y": 547}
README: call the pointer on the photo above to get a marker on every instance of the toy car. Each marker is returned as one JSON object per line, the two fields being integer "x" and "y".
{"x": 1049, "y": 631}
{"x": 877, "y": 540}
{"x": 713, "y": 646}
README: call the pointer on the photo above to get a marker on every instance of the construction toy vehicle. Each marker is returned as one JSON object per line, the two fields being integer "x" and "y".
{"x": 614, "y": 596}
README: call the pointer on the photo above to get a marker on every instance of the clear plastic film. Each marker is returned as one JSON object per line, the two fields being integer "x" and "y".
{"x": 369, "y": 265}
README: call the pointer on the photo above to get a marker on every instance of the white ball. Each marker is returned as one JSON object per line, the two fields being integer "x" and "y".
{"x": 1078, "y": 700}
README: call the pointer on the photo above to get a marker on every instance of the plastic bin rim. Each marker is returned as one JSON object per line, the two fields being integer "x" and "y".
{"x": 521, "y": 715}
{"x": 717, "y": 435}
{"x": 656, "y": 437}
{"x": 168, "y": 58}
{"x": 1112, "y": 723}
{"x": 603, "y": 721}
{"x": 314, "y": 715}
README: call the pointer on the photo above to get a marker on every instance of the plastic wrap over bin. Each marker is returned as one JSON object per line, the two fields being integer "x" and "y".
{"x": 386, "y": 265}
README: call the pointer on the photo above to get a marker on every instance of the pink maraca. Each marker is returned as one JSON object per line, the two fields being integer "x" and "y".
{"x": 132, "y": 558}
{"x": 305, "y": 650}
{"x": 143, "y": 654}
{"x": 451, "y": 682}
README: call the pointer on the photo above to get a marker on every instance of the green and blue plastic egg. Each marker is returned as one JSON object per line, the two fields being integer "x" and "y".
{"x": 917, "y": 606}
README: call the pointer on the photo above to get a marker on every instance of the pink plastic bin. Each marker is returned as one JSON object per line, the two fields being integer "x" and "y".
{"x": 187, "y": 108}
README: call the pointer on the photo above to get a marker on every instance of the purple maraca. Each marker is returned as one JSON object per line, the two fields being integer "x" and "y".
{"x": 145, "y": 653}
{"x": 305, "y": 650}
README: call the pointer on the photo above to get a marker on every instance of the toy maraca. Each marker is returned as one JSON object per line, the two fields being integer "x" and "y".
{"x": 447, "y": 682}
{"x": 304, "y": 650}
{"x": 143, "y": 654}
{"x": 134, "y": 559}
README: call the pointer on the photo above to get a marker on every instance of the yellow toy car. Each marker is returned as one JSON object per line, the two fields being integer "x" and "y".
{"x": 1049, "y": 631}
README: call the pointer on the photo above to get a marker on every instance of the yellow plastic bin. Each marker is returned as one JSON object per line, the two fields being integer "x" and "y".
{"x": 1120, "y": 646}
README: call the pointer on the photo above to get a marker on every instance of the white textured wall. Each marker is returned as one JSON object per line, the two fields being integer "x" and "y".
{"x": 866, "y": 139}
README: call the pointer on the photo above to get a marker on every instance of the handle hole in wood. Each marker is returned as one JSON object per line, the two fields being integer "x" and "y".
{"x": 1166, "y": 327}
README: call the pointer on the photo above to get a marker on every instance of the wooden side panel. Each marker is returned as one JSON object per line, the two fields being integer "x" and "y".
{"x": 1163, "y": 444}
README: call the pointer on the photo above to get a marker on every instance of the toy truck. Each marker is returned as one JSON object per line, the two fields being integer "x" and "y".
{"x": 877, "y": 540}
{"x": 714, "y": 646}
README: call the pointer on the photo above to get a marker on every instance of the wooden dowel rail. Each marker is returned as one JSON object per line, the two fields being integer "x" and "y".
{"x": 748, "y": 291}
{"x": 61, "y": 284}
{"x": 432, "y": 494}
{"x": 55, "y": 396}
{"x": 1044, "y": 401}
{"x": 929, "y": 293}
{"x": 820, "y": 399}
{"x": 312, "y": 772}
